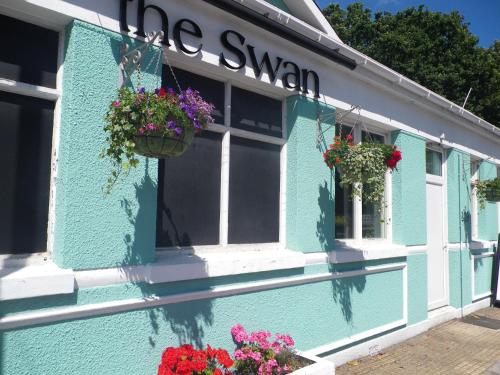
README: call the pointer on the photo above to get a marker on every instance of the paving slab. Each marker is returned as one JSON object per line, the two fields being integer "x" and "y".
{"x": 461, "y": 346}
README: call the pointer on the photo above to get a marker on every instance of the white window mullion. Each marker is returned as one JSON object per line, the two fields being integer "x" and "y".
{"x": 225, "y": 152}
{"x": 283, "y": 161}
{"x": 356, "y": 202}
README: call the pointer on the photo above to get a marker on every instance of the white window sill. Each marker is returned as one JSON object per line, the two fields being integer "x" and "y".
{"x": 34, "y": 280}
{"x": 476, "y": 244}
{"x": 348, "y": 251}
{"x": 216, "y": 261}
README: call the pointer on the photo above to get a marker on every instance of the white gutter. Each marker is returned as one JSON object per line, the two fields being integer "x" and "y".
{"x": 371, "y": 65}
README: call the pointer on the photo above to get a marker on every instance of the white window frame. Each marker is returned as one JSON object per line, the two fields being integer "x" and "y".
{"x": 227, "y": 131}
{"x": 474, "y": 164}
{"x": 386, "y": 212}
{"x": 54, "y": 95}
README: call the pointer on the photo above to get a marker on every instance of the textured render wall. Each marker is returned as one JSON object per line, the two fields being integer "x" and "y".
{"x": 131, "y": 342}
{"x": 417, "y": 288}
{"x": 93, "y": 230}
{"x": 459, "y": 196}
{"x": 460, "y": 277}
{"x": 310, "y": 208}
{"x": 409, "y": 192}
{"x": 488, "y": 218}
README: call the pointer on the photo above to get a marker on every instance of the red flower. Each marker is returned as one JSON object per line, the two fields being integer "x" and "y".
{"x": 162, "y": 92}
{"x": 224, "y": 358}
{"x": 391, "y": 163}
{"x": 217, "y": 372}
{"x": 349, "y": 137}
{"x": 397, "y": 155}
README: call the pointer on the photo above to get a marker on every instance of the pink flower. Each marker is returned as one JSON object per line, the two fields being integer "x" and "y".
{"x": 239, "y": 333}
{"x": 116, "y": 103}
{"x": 287, "y": 340}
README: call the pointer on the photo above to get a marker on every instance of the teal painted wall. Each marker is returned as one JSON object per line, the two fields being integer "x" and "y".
{"x": 459, "y": 193}
{"x": 132, "y": 342}
{"x": 93, "y": 230}
{"x": 279, "y": 4}
{"x": 487, "y": 220}
{"x": 409, "y": 192}
{"x": 483, "y": 269}
{"x": 417, "y": 288}
{"x": 460, "y": 278}
{"x": 310, "y": 208}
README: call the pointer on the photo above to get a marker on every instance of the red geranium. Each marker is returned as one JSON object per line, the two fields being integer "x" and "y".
{"x": 185, "y": 360}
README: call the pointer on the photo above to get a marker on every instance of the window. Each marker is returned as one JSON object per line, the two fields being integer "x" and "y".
{"x": 26, "y": 128}
{"x": 226, "y": 188}
{"x": 433, "y": 162}
{"x": 353, "y": 218}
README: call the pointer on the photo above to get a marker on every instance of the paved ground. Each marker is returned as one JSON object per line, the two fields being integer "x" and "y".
{"x": 455, "y": 347}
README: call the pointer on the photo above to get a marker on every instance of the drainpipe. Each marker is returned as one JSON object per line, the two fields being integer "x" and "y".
{"x": 460, "y": 238}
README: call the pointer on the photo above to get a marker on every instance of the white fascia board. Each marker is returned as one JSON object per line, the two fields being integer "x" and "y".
{"x": 35, "y": 281}
{"x": 352, "y": 251}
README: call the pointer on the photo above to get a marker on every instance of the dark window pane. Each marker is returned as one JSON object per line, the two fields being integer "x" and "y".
{"x": 344, "y": 223}
{"x": 26, "y": 142}
{"x": 370, "y": 137}
{"x": 211, "y": 90}
{"x": 189, "y": 195}
{"x": 343, "y": 210}
{"x": 254, "y": 191}
{"x": 255, "y": 112}
{"x": 28, "y": 53}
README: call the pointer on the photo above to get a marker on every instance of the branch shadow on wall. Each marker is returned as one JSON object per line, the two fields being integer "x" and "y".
{"x": 186, "y": 319}
{"x": 342, "y": 288}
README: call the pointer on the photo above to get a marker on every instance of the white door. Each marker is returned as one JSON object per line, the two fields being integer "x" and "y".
{"x": 437, "y": 254}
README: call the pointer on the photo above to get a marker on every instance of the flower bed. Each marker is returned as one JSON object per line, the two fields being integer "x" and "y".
{"x": 257, "y": 353}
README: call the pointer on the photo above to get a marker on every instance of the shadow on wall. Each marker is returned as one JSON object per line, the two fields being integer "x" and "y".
{"x": 187, "y": 320}
{"x": 343, "y": 288}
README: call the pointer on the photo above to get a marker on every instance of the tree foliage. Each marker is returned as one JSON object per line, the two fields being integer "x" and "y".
{"x": 434, "y": 49}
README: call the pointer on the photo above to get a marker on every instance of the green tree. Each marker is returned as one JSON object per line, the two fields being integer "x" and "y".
{"x": 434, "y": 49}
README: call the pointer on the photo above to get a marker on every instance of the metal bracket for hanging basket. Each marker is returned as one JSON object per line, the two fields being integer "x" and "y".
{"x": 338, "y": 120}
{"x": 131, "y": 60}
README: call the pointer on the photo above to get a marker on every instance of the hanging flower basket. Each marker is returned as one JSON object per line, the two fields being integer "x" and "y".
{"x": 155, "y": 124}
{"x": 163, "y": 146}
{"x": 488, "y": 191}
{"x": 362, "y": 166}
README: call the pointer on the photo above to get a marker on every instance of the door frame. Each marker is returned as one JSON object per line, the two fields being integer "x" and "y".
{"x": 443, "y": 182}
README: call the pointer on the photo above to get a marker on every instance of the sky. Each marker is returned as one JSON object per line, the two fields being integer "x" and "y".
{"x": 483, "y": 16}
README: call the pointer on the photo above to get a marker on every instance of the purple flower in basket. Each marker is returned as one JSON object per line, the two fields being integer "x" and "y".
{"x": 178, "y": 131}
{"x": 141, "y": 90}
{"x": 171, "y": 124}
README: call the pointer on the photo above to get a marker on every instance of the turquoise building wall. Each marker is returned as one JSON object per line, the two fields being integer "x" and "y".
{"x": 310, "y": 210}
{"x": 409, "y": 221}
{"x": 94, "y": 231}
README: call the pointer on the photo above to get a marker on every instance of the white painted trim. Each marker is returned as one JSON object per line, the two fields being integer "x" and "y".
{"x": 374, "y": 346}
{"x": 475, "y": 296}
{"x": 283, "y": 176}
{"x": 347, "y": 251}
{"x": 35, "y": 281}
{"x": 27, "y": 89}
{"x": 474, "y": 204}
{"x": 319, "y": 367}
{"x": 473, "y": 245}
{"x": 56, "y": 132}
{"x": 225, "y": 167}
{"x": 113, "y": 307}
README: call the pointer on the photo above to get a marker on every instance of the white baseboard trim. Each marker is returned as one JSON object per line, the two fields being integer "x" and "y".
{"x": 374, "y": 346}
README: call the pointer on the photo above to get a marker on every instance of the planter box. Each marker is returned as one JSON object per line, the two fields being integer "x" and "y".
{"x": 319, "y": 367}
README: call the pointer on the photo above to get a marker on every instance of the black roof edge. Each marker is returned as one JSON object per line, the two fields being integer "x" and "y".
{"x": 293, "y": 36}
